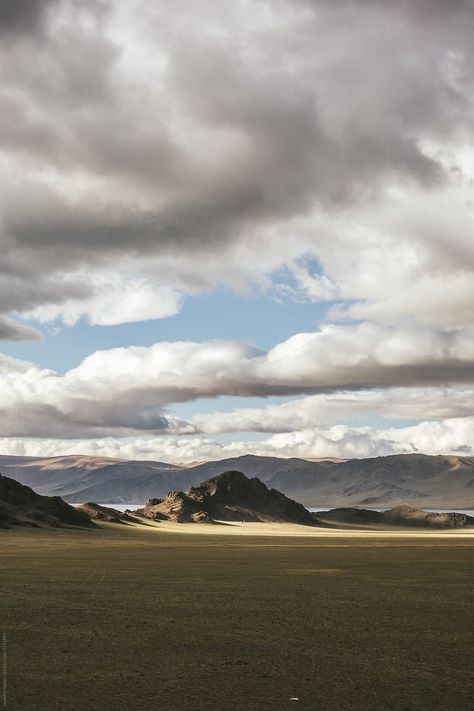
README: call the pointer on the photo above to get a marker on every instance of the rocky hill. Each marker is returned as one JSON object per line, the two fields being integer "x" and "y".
{"x": 96, "y": 512}
{"x": 419, "y": 480}
{"x": 404, "y": 516}
{"x": 231, "y": 496}
{"x": 21, "y": 506}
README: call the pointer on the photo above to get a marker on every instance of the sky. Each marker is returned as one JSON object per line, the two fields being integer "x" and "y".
{"x": 236, "y": 227}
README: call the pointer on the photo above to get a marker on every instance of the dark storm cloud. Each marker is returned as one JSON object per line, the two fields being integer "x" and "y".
{"x": 12, "y": 331}
{"x": 85, "y": 121}
{"x": 23, "y": 16}
{"x": 84, "y": 419}
{"x": 22, "y": 286}
{"x": 31, "y": 17}
{"x": 223, "y": 130}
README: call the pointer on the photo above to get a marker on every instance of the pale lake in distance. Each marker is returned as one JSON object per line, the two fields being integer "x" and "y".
{"x": 132, "y": 507}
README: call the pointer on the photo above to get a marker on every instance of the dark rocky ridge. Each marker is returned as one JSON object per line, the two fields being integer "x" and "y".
{"x": 21, "y": 506}
{"x": 96, "y": 512}
{"x": 402, "y": 515}
{"x": 231, "y": 496}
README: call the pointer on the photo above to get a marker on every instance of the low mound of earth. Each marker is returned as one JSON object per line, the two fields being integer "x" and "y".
{"x": 96, "y": 512}
{"x": 21, "y": 506}
{"x": 231, "y": 496}
{"x": 407, "y": 516}
{"x": 399, "y": 516}
{"x": 350, "y": 515}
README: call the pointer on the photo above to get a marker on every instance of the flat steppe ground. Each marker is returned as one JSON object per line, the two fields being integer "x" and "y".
{"x": 151, "y": 617}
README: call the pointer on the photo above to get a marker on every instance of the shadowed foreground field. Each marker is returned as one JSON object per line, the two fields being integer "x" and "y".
{"x": 128, "y": 619}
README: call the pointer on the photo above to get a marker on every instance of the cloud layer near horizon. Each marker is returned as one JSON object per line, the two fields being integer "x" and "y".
{"x": 127, "y": 390}
{"x": 442, "y": 437}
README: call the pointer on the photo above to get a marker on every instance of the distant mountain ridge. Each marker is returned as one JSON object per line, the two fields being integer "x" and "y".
{"x": 415, "y": 479}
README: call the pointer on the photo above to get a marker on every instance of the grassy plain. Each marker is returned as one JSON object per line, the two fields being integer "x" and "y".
{"x": 128, "y": 618}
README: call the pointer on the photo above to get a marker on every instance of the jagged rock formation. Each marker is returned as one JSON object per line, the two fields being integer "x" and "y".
{"x": 177, "y": 506}
{"x": 96, "y": 512}
{"x": 231, "y": 496}
{"x": 402, "y": 515}
{"x": 21, "y": 506}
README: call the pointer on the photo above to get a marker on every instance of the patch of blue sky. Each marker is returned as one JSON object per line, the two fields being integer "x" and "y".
{"x": 260, "y": 320}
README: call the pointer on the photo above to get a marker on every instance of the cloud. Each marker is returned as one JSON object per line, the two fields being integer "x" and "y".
{"x": 325, "y": 409}
{"x": 112, "y": 299}
{"x": 23, "y": 16}
{"x": 148, "y": 155}
{"x": 444, "y": 437}
{"x": 188, "y": 154}
{"x": 124, "y": 390}
{"x": 12, "y": 331}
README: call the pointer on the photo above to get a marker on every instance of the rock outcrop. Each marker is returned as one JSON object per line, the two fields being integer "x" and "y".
{"x": 350, "y": 515}
{"x": 407, "y": 516}
{"x": 177, "y": 506}
{"x": 231, "y": 496}
{"x": 96, "y": 512}
{"x": 21, "y": 506}
{"x": 400, "y": 516}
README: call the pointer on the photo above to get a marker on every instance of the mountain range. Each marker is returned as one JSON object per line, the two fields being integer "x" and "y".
{"x": 427, "y": 481}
